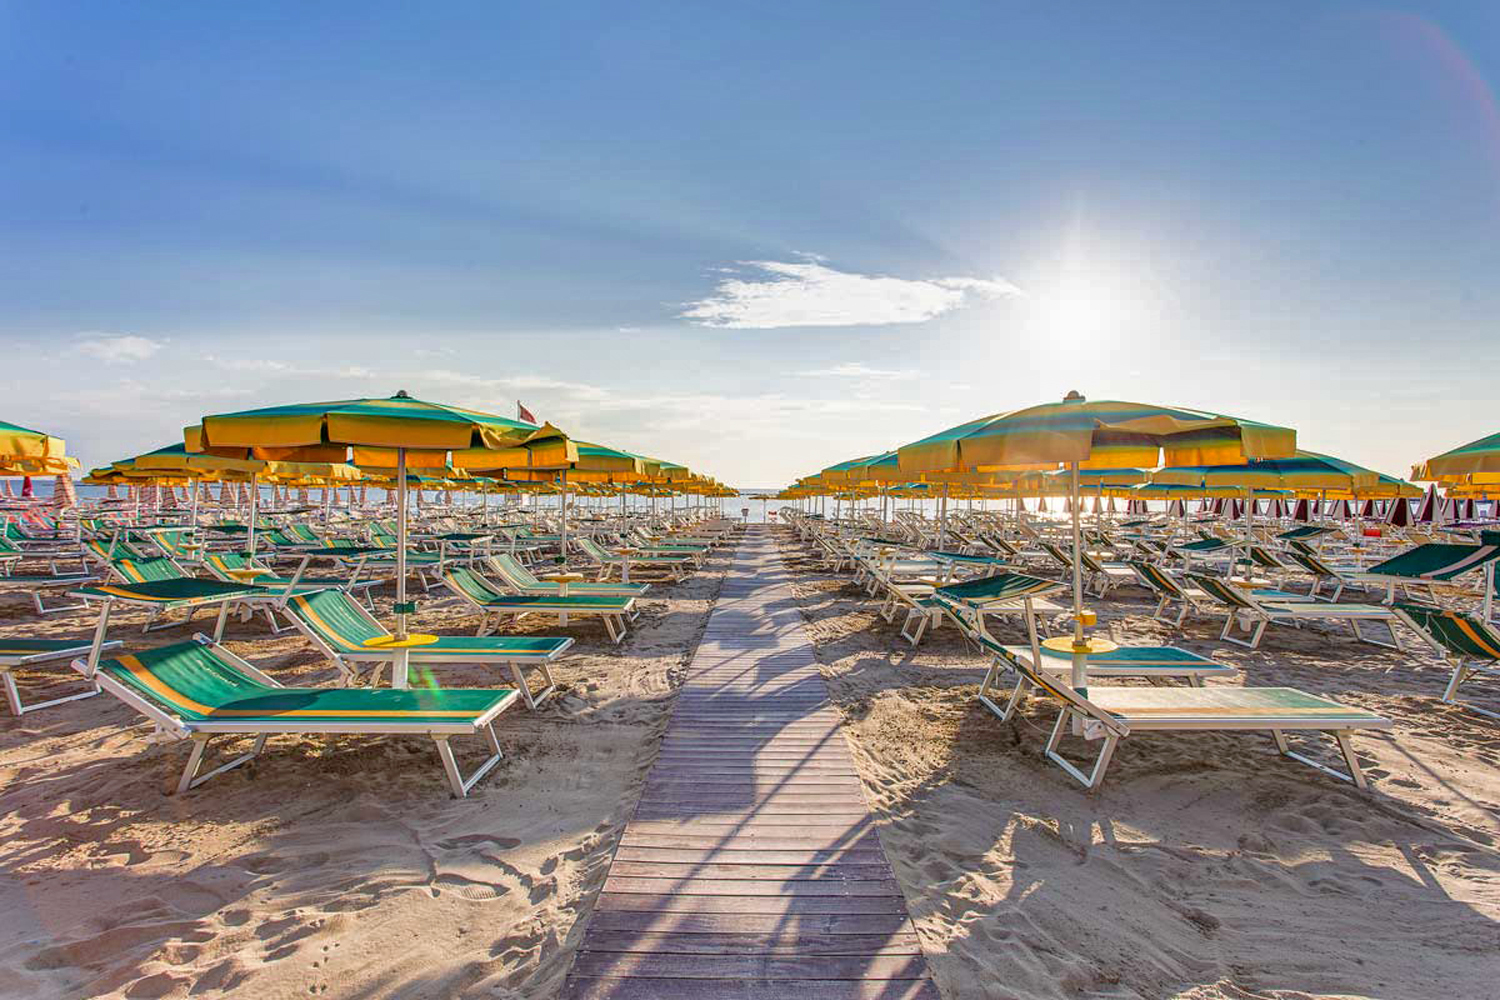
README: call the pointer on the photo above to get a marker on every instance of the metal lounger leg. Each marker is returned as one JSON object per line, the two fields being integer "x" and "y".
{"x": 1017, "y": 694}
{"x": 1093, "y": 779}
{"x": 615, "y": 626}
{"x": 56, "y": 609}
{"x": 13, "y": 696}
{"x": 456, "y": 781}
{"x": 190, "y": 776}
{"x": 1355, "y": 775}
{"x": 533, "y": 699}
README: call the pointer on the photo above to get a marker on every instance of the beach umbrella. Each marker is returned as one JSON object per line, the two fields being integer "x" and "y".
{"x": 1476, "y": 463}
{"x": 1428, "y": 511}
{"x": 1302, "y": 511}
{"x": 399, "y": 431}
{"x": 1399, "y": 516}
{"x": 1077, "y": 434}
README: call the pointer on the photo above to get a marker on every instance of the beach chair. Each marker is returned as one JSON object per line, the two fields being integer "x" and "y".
{"x": 674, "y": 566}
{"x": 198, "y": 691}
{"x": 240, "y": 567}
{"x": 1244, "y": 608}
{"x": 1154, "y": 664}
{"x": 1467, "y": 643}
{"x": 29, "y": 652}
{"x": 1168, "y": 589}
{"x": 968, "y": 602}
{"x": 494, "y": 603}
{"x": 346, "y": 633}
{"x": 1110, "y": 714}
{"x": 510, "y": 571}
{"x": 1324, "y": 572}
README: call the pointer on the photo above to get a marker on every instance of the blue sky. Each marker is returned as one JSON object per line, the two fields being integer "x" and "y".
{"x": 757, "y": 239}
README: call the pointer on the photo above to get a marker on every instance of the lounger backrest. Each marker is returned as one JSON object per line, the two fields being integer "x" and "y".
{"x": 1261, "y": 557}
{"x": 186, "y": 680}
{"x": 1312, "y": 564}
{"x": 1437, "y": 561}
{"x": 590, "y": 548}
{"x": 467, "y": 583}
{"x": 1462, "y": 634}
{"x": 147, "y": 570}
{"x": 334, "y": 617}
{"x": 221, "y": 563}
{"x": 1225, "y": 593}
{"x": 999, "y": 587}
{"x": 7, "y": 547}
{"x": 509, "y": 569}
{"x": 1155, "y": 577}
{"x": 1089, "y": 562}
{"x": 1057, "y": 554}
{"x": 1059, "y": 691}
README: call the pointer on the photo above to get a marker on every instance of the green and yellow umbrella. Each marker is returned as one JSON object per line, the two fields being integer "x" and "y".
{"x": 25, "y": 452}
{"x": 1474, "y": 464}
{"x": 1076, "y": 433}
{"x": 399, "y": 431}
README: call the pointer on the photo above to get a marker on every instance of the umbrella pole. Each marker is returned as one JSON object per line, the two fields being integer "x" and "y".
{"x": 401, "y": 605}
{"x": 193, "y": 507}
{"x": 943, "y": 519}
{"x": 254, "y": 507}
{"x": 1249, "y": 529}
{"x": 1080, "y": 655}
{"x": 565, "y": 514}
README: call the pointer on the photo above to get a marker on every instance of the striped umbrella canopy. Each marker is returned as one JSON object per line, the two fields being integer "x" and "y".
{"x": 1475, "y": 464}
{"x": 1305, "y": 470}
{"x": 1080, "y": 434}
{"x": 399, "y": 431}
{"x": 17, "y": 442}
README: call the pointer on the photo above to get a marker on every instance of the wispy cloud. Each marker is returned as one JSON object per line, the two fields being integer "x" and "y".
{"x": 118, "y": 349}
{"x": 809, "y": 293}
{"x": 856, "y": 370}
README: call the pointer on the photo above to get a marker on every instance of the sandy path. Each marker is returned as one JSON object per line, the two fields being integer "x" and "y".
{"x": 333, "y": 868}
{"x": 1207, "y": 866}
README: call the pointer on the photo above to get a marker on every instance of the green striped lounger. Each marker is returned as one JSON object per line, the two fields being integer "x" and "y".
{"x": 342, "y": 628}
{"x": 491, "y": 602}
{"x": 198, "y": 690}
{"x": 1109, "y": 714}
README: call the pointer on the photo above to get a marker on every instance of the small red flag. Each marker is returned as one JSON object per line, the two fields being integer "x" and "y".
{"x": 524, "y": 414}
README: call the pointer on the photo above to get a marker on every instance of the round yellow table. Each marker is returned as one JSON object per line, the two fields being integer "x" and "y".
{"x": 1092, "y": 644}
{"x": 563, "y": 580}
{"x": 391, "y": 642}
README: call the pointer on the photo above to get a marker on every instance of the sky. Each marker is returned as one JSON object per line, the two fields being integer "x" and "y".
{"x": 755, "y": 239}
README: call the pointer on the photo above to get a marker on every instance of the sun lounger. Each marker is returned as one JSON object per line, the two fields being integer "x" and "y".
{"x": 237, "y": 567}
{"x": 37, "y": 586}
{"x": 28, "y": 652}
{"x": 1155, "y": 664}
{"x": 1465, "y": 642}
{"x": 967, "y": 603}
{"x": 508, "y": 570}
{"x": 492, "y": 602}
{"x": 1110, "y": 714}
{"x": 345, "y": 632}
{"x": 197, "y": 691}
{"x": 674, "y": 566}
{"x": 161, "y": 596}
{"x": 1253, "y": 614}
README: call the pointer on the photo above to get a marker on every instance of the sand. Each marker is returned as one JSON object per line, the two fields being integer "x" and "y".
{"x": 1206, "y": 866}
{"x": 334, "y": 868}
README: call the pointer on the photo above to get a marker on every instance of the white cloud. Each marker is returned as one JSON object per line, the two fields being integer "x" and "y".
{"x": 808, "y": 293}
{"x": 118, "y": 349}
{"x": 853, "y": 369}
{"x": 247, "y": 364}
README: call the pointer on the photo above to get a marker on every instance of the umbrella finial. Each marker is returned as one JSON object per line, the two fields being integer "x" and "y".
{"x": 1073, "y": 396}
{"x": 401, "y": 394}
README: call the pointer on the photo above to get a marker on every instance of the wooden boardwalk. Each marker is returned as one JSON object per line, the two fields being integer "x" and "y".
{"x": 751, "y": 869}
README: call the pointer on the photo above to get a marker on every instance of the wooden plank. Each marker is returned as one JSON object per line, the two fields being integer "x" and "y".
{"x": 731, "y": 855}
{"x": 797, "y": 942}
{"x": 740, "y": 966}
{"x": 643, "y": 988}
{"x": 836, "y": 871}
{"x": 738, "y": 922}
{"x": 730, "y": 887}
{"x": 685, "y": 903}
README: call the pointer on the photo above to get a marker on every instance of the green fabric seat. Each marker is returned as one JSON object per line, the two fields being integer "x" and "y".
{"x": 192, "y": 682}
{"x": 181, "y": 590}
{"x": 197, "y": 691}
{"x": 999, "y": 587}
{"x": 1436, "y": 561}
{"x": 515, "y": 575}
